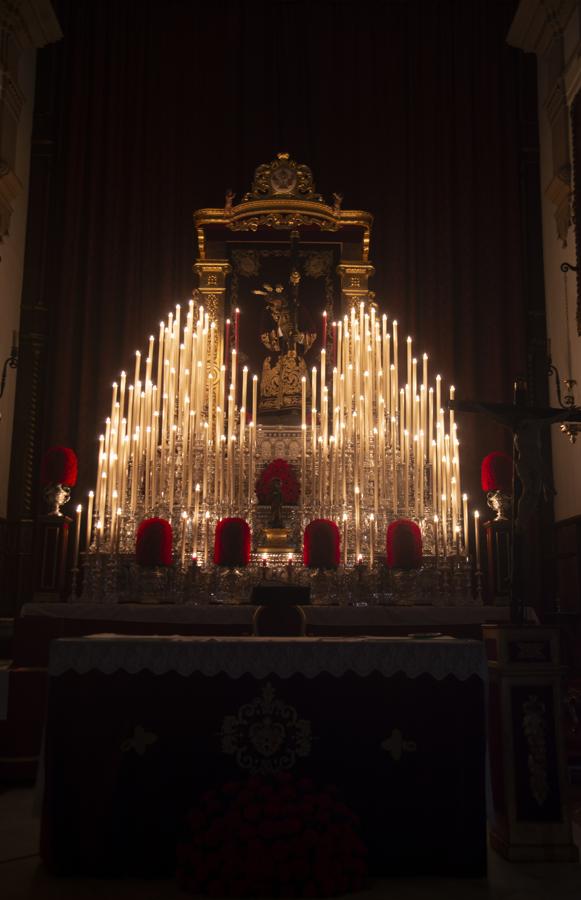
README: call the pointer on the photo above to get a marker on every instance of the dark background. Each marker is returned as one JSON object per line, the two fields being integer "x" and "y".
{"x": 417, "y": 111}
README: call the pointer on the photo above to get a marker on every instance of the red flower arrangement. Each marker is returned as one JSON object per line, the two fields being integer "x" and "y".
{"x": 404, "y": 545}
{"x": 232, "y": 542}
{"x": 289, "y": 485}
{"x": 59, "y": 466}
{"x": 272, "y": 836}
{"x": 322, "y": 545}
{"x": 153, "y": 543}
{"x": 496, "y": 472}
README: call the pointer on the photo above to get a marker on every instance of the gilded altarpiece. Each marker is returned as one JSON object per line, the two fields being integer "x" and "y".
{"x": 261, "y": 289}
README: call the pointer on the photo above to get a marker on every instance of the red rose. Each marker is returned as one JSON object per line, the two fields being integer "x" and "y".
{"x": 496, "y": 472}
{"x": 153, "y": 543}
{"x": 289, "y": 485}
{"x": 59, "y": 466}
{"x": 404, "y": 545}
{"x": 322, "y": 545}
{"x": 232, "y": 542}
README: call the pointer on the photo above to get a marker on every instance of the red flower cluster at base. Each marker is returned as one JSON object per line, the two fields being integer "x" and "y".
{"x": 404, "y": 545}
{"x": 277, "y": 836}
{"x": 153, "y": 543}
{"x": 322, "y": 545}
{"x": 289, "y": 485}
{"x": 232, "y": 542}
{"x": 59, "y": 466}
{"x": 496, "y": 472}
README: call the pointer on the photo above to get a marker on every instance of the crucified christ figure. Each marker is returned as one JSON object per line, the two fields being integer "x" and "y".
{"x": 526, "y": 425}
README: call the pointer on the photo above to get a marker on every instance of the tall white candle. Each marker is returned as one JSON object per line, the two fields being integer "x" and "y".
{"x": 255, "y": 399}
{"x": 477, "y": 537}
{"x": 89, "y": 520}
{"x": 183, "y": 538}
{"x": 78, "y": 514}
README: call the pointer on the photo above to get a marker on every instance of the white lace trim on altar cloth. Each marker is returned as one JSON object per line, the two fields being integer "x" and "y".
{"x": 261, "y": 656}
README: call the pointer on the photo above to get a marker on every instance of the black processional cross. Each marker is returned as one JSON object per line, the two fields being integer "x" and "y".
{"x": 529, "y": 467}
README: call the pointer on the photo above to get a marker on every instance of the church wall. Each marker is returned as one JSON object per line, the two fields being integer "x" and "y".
{"x": 566, "y": 456}
{"x": 12, "y": 265}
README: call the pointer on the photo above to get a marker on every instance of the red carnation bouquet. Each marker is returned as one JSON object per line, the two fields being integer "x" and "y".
{"x": 153, "y": 543}
{"x": 59, "y": 466}
{"x": 272, "y": 836}
{"x": 232, "y": 542}
{"x": 404, "y": 545}
{"x": 496, "y": 472}
{"x": 322, "y": 545}
{"x": 289, "y": 485}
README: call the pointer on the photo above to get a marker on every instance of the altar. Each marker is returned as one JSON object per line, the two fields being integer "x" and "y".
{"x": 140, "y": 729}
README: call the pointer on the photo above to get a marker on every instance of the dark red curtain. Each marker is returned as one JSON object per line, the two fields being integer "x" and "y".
{"x": 410, "y": 109}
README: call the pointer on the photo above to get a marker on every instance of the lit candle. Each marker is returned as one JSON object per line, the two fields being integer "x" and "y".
{"x": 395, "y": 358}
{"x": 357, "y": 519}
{"x": 371, "y": 539}
{"x": 100, "y": 470}
{"x": 452, "y": 392}
{"x": 113, "y": 404}
{"x": 244, "y": 386}
{"x": 334, "y": 343}
{"x": 183, "y": 542}
{"x": 89, "y": 520}
{"x": 406, "y": 474}
{"x": 227, "y": 342}
{"x": 255, "y": 399}
{"x": 236, "y": 328}
{"x": 324, "y": 341}
{"x": 137, "y": 367}
{"x": 344, "y": 539}
{"x": 465, "y": 521}
{"x": 160, "y": 358}
{"x": 206, "y": 536}
{"x": 436, "y": 529}
{"x": 477, "y": 537}
{"x": 78, "y": 514}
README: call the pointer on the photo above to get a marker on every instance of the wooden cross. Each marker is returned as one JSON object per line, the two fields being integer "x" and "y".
{"x": 526, "y": 424}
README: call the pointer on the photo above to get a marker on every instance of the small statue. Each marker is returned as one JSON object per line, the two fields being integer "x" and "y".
{"x": 229, "y": 199}
{"x": 338, "y": 200}
{"x": 275, "y": 497}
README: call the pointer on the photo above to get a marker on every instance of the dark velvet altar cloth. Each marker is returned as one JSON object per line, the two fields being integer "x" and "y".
{"x": 110, "y": 809}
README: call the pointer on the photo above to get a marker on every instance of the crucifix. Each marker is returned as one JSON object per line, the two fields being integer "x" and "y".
{"x": 529, "y": 467}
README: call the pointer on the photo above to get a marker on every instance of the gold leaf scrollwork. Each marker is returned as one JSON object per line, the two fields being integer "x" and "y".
{"x": 283, "y": 221}
{"x": 282, "y": 177}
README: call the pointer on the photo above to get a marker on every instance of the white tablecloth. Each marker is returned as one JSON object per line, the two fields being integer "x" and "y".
{"x": 333, "y": 616}
{"x": 260, "y": 656}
